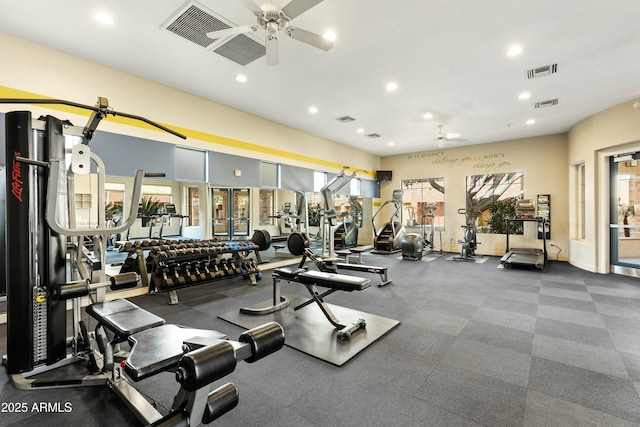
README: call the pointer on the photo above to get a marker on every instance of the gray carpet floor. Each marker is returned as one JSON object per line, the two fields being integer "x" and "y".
{"x": 477, "y": 345}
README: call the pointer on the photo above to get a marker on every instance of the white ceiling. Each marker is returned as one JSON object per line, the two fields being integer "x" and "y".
{"x": 448, "y": 57}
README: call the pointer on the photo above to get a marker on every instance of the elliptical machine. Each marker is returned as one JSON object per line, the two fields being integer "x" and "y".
{"x": 415, "y": 245}
{"x": 469, "y": 243}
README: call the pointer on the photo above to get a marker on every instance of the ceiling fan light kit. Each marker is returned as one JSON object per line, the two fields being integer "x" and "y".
{"x": 274, "y": 19}
{"x": 442, "y": 138}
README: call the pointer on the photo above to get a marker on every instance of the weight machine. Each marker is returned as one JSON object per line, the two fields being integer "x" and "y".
{"x": 40, "y": 208}
{"x": 346, "y": 234}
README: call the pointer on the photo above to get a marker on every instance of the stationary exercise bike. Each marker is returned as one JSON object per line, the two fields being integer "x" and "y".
{"x": 469, "y": 243}
{"x": 429, "y": 234}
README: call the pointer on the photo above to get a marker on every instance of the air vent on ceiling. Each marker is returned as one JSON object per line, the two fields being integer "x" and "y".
{"x": 546, "y": 70}
{"x": 374, "y": 135}
{"x": 241, "y": 50}
{"x": 345, "y": 119}
{"x": 193, "y": 21}
{"x": 546, "y": 104}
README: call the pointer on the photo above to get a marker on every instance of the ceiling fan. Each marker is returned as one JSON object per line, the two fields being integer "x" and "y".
{"x": 441, "y": 138}
{"x": 274, "y": 19}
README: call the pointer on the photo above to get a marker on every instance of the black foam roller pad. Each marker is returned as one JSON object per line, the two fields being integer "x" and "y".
{"x": 124, "y": 281}
{"x": 219, "y": 402}
{"x": 205, "y": 365}
{"x": 173, "y": 419}
{"x": 65, "y": 291}
{"x": 263, "y": 340}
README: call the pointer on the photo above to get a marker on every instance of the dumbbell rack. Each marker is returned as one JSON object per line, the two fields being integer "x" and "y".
{"x": 175, "y": 264}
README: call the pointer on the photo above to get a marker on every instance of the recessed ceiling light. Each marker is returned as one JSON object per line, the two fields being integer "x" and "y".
{"x": 104, "y": 18}
{"x": 524, "y": 95}
{"x": 241, "y": 78}
{"x": 313, "y": 109}
{"x": 427, "y": 116}
{"x": 514, "y": 50}
{"x": 530, "y": 122}
{"x": 391, "y": 143}
{"x": 360, "y": 130}
{"x": 391, "y": 86}
{"x": 329, "y": 35}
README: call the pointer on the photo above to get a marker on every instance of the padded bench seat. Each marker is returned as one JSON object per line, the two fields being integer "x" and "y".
{"x": 159, "y": 349}
{"x": 337, "y": 281}
{"x": 123, "y": 317}
{"x": 289, "y": 273}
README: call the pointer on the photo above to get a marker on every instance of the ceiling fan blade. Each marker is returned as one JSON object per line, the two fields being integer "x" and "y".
{"x": 233, "y": 31}
{"x": 249, "y": 4}
{"x": 272, "y": 50}
{"x": 309, "y": 38}
{"x": 298, "y": 7}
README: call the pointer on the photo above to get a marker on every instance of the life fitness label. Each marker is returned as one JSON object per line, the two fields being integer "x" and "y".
{"x": 17, "y": 185}
{"x": 36, "y": 407}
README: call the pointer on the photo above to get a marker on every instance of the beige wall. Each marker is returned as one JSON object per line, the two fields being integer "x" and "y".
{"x": 44, "y": 72}
{"x": 548, "y": 162}
{"x": 543, "y": 161}
{"x": 592, "y": 141}
{"x": 30, "y": 70}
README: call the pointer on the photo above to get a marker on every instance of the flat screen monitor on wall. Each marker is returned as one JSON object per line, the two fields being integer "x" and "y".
{"x": 383, "y": 176}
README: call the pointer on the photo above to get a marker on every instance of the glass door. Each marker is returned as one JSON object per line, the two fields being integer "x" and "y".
{"x": 220, "y": 209}
{"x": 625, "y": 215}
{"x": 240, "y": 209}
{"x": 230, "y": 213}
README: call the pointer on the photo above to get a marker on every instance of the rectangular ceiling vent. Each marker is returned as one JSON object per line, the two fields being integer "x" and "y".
{"x": 241, "y": 49}
{"x": 374, "y": 135}
{"x": 345, "y": 119}
{"x": 544, "y": 71}
{"x": 546, "y": 104}
{"x": 193, "y": 21}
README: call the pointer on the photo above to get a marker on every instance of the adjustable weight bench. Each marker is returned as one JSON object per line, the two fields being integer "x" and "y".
{"x": 311, "y": 279}
{"x": 198, "y": 357}
{"x": 382, "y": 271}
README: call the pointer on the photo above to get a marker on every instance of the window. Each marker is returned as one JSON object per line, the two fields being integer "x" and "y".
{"x": 114, "y": 199}
{"x": 161, "y": 193}
{"x": 491, "y": 198}
{"x": 319, "y": 180}
{"x": 423, "y": 201}
{"x": 266, "y": 207}
{"x": 191, "y": 164}
{"x": 193, "y": 206}
{"x": 354, "y": 187}
{"x": 270, "y": 175}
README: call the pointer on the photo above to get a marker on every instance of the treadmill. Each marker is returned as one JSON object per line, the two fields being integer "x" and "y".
{"x": 525, "y": 257}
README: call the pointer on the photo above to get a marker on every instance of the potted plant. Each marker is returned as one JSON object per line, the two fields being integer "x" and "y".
{"x": 500, "y": 210}
{"x": 113, "y": 212}
{"x": 625, "y": 212}
{"x": 149, "y": 206}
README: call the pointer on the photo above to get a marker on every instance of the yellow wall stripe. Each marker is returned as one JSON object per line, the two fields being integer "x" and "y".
{"x": 7, "y": 92}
